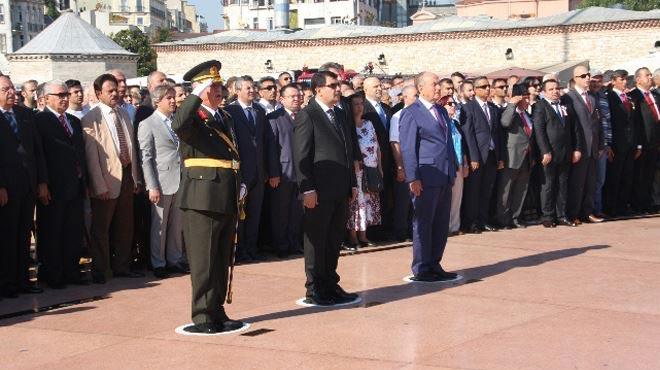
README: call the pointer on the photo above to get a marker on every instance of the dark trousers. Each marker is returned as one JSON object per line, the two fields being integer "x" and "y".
{"x": 511, "y": 192}
{"x": 402, "y": 221}
{"x": 477, "y": 193}
{"x": 248, "y": 229}
{"x": 554, "y": 190}
{"x": 209, "y": 243}
{"x": 324, "y": 227}
{"x": 141, "y": 245}
{"x": 430, "y": 228}
{"x": 112, "y": 230}
{"x": 286, "y": 217}
{"x": 60, "y": 228}
{"x": 643, "y": 179}
{"x": 15, "y": 225}
{"x": 581, "y": 188}
{"x": 619, "y": 181}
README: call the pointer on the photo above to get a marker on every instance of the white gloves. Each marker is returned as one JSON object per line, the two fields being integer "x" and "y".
{"x": 243, "y": 192}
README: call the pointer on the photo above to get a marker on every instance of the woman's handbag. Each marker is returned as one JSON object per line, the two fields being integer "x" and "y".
{"x": 372, "y": 180}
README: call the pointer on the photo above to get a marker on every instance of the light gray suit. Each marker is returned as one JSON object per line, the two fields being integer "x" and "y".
{"x": 161, "y": 164}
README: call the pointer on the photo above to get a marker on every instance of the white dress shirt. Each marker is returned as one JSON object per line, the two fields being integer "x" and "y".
{"x": 66, "y": 120}
{"x": 110, "y": 119}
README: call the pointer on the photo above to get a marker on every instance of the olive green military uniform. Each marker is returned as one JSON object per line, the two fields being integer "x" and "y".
{"x": 208, "y": 198}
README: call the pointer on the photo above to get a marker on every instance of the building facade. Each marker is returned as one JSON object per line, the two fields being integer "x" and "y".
{"x": 109, "y": 16}
{"x": 305, "y": 14}
{"x": 184, "y": 17}
{"x": 475, "y": 45}
{"x": 507, "y": 9}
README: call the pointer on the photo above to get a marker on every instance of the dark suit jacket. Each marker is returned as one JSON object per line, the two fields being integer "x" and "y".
{"x": 205, "y": 188}
{"x": 323, "y": 157}
{"x": 588, "y": 122}
{"x": 515, "y": 141}
{"x": 428, "y": 152}
{"x": 258, "y": 159}
{"x": 643, "y": 118}
{"x": 625, "y": 135}
{"x": 554, "y": 137}
{"x": 478, "y": 131}
{"x": 22, "y": 161}
{"x": 382, "y": 134}
{"x": 65, "y": 155}
{"x": 281, "y": 130}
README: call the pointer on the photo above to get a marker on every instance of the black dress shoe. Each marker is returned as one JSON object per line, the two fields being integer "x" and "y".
{"x": 488, "y": 227}
{"x": 474, "y": 230}
{"x": 339, "y": 294}
{"x": 161, "y": 273}
{"x": 130, "y": 274}
{"x": 319, "y": 300}
{"x": 349, "y": 247}
{"x": 519, "y": 224}
{"x": 367, "y": 243}
{"x": 179, "y": 268}
{"x": 229, "y": 325}
{"x": 446, "y": 276}
{"x": 566, "y": 222}
{"x": 426, "y": 277}
{"x": 202, "y": 329}
{"x": 32, "y": 290}
{"x": 548, "y": 224}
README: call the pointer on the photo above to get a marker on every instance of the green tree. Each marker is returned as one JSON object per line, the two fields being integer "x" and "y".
{"x": 162, "y": 35}
{"x": 627, "y": 4}
{"x": 51, "y": 9}
{"x": 137, "y": 42}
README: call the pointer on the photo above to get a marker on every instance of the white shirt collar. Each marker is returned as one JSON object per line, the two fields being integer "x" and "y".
{"x": 426, "y": 103}
{"x": 481, "y": 102}
{"x": 243, "y": 105}
{"x": 550, "y": 101}
{"x": 54, "y": 112}
{"x": 580, "y": 91}
{"x": 373, "y": 102}
{"x": 617, "y": 91}
{"x": 323, "y": 106}
{"x": 105, "y": 109}
{"x": 213, "y": 111}
{"x": 3, "y": 110}
{"x": 288, "y": 111}
{"x": 163, "y": 116}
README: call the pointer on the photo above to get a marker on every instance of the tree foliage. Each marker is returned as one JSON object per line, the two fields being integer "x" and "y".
{"x": 626, "y": 4}
{"x": 51, "y": 9}
{"x": 138, "y": 42}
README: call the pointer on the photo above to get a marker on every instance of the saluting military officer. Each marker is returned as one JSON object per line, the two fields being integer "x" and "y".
{"x": 210, "y": 187}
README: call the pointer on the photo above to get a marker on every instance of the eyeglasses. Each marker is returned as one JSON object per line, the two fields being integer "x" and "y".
{"x": 297, "y": 96}
{"x": 534, "y": 85}
{"x": 450, "y": 103}
{"x": 64, "y": 95}
{"x": 332, "y": 85}
{"x": 584, "y": 75}
{"x": 482, "y": 87}
{"x": 502, "y": 87}
{"x": 271, "y": 87}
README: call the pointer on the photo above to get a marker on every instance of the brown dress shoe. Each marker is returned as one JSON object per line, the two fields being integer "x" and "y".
{"x": 577, "y": 221}
{"x": 594, "y": 219}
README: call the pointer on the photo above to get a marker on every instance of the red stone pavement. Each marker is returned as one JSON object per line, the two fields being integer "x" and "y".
{"x": 565, "y": 298}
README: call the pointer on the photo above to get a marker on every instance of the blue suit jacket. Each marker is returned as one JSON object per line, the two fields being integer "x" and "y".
{"x": 281, "y": 129}
{"x": 427, "y": 149}
{"x": 478, "y": 132}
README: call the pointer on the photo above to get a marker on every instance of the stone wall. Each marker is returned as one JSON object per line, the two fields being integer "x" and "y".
{"x": 604, "y": 44}
{"x": 44, "y": 68}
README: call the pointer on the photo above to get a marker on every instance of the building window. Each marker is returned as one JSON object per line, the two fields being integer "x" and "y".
{"x": 3, "y": 43}
{"x": 335, "y": 20}
{"x": 140, "y": 21}
{"x": 255, "y": 23}
{"x": 270, "y": 24}
{"x": 314, "y": 21}
{"x": 2, "y": 14}
{"x": 124, "y": 6}
{"x": 138, "y": 6}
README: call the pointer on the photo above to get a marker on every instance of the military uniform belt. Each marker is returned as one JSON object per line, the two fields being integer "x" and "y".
{"x": 210, "y": 162}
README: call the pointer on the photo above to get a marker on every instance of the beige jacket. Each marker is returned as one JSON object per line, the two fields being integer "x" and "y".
{"x": 103, "y": 164}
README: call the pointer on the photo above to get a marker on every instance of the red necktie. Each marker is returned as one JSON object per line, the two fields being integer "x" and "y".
{"x": 650, "y": 103}
{"x": 526, "y": 127}
{"x": 587, "y": 101}
{"x": 65, "y": 126}
{"x": 626, "y": 103}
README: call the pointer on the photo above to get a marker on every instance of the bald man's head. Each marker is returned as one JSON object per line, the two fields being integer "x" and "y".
{"x": 372, "y": 88}
{"x": 156, "y": 78}
{"x": 428, "y": 86}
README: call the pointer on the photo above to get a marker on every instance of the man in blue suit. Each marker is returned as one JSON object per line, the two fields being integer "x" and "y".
{"x": 430, "y": 166}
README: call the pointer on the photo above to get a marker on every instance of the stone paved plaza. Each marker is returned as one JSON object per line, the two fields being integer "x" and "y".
{"x": 565, "y": 298}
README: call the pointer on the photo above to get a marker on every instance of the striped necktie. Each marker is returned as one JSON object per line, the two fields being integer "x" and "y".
{"x": 124, "y": 156}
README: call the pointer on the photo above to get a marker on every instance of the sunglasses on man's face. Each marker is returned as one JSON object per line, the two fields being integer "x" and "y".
{"x": 332, "y": 86}
{"x": 271, "y": 87}
{"x": 482, "y": 87}
{"x": 535, "y": 85}
{"x": 63, "y": 95}
{"x": 502, "y": 87}
{"x": 584, "y": 75}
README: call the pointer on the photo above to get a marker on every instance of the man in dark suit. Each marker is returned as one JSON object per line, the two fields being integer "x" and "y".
{"x": 258, "y": 162}
{"x": 480, "y": 121}
{"x": 582, "y": 180}
{"x": 430, "y": 166}
{"x": 646, "y": 115}
{"x": 518, "y": 142}
{"x": 323, "y": 155}
{"x": 286, "y": 207}
{"x": 208, "y": 196}
{"x": 380, "y": 115}
{"x": 626, "y": 147}
{"x": 559, "y": 142}
{"x": 60, "y": 221}
{"x": 23, "y": 176}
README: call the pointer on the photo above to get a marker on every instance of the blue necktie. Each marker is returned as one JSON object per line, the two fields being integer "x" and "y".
{"x": 557, "y": 110}
{"x": 382, "y": 115}
{"x": 12, "y": 122}
{"x": 250, "y": 116}
{"x": 168, "y": 124}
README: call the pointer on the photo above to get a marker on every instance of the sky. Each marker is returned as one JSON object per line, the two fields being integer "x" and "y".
{"x": 210, "y": 9}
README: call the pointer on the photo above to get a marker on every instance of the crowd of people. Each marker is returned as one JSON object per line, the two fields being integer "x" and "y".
{"x": 429, "y": 157}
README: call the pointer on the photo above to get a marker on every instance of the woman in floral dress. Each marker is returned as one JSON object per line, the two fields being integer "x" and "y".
{"x": 364, "y": 211}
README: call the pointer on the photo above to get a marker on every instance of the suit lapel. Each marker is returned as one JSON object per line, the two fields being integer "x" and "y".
{"x": 318, "y": 111}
